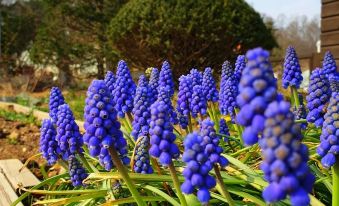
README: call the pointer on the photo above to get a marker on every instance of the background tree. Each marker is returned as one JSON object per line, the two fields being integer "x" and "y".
{"x": 188, "y": 33}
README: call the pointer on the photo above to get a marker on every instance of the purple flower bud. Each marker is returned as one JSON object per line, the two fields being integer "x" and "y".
{"x": 184, "y": 95}
{"x": 223, "y": 129}
{"x": 141, "y": 158}
{"x": 329, "y": 64}
{"x": 196, "y": 77}
{"x": 198, "y": 104}
{"x": 166, "y": 79}
{"x": 240, "y": 65}
{"x": 153, "y": 84}
{"x": 76, "y": 171}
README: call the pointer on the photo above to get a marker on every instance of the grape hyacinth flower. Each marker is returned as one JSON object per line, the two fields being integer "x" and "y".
{"x": 300, "y": 112}
{"x": 68, "y": 135}
{"x": 223, "y": 129}
{"x": 184, "y": 95}
{"x": 141, "y": 111}
{"x": 198, "y": 167}
{"x": 226, "y": 73}
{"x": 257, "y": 89}
{"x": 211, "y": 143}
{"x": 196, "y": 77}
{"x": 240, "y": 65}
{"x": 284, "y": 157}
{"x": 141, "y": 158}
{"x": 76, "y": 171}
{"x": 153, "y": 84}
{"x": 329, "y": 64}
{"x": 209, "y": 86}
{"x": 161, "y": 130}
{"x": 318, "y": 96}
{"x": 292, "y": 71}
{"x": 228, "y": 98}
{"x": 163, "y": 95}
{"x": 55, "y": 100}
{"x": 166, "y": 78}
{"x": 110, "y": 81}
{"x": 329, "y": 146}
{"x": 48, "y": 144}
{"x": 124, "y": 90}
{"x": 101, "y": 125}
{"x": 199, "y": 103}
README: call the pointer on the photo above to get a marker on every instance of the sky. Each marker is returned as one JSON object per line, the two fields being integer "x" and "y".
{"x": 290, "y": 8}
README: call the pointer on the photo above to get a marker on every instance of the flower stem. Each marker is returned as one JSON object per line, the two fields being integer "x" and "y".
{"x": 335, "y": 183}
{"x": 122, "y": 170}
{"x": 176, "y": 184}
{"x": 86, "y": 164}
{"x": 224, "y": 190}
{"x": 295, "y": 96}
{"x": 190, "y": 129}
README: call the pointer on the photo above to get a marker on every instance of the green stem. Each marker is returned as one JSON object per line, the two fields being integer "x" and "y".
{"x": 85, "y": 162}
{"x": 176, "y": 184}
{"x": 222, "y": 185}
{"x": 335, "y": 183}
{"x": 249, "y": 154}
{"x": 295, "y": 96}
{"x": 122, "y": 170}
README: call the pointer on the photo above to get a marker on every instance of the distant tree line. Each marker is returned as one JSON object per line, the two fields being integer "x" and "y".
{"x": 77, "y": 33}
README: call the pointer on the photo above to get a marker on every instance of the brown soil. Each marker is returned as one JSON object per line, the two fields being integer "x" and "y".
{"x": 18, "y": 140}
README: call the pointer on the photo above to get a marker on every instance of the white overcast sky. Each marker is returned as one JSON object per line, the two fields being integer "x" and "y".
{"x": 290, "y": 8}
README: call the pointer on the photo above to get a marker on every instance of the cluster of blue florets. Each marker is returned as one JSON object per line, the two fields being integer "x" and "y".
{"x": 284, "y": 157}
{"x": 55, "y": 100}
{"x": 196, "y": 77}
{"x": 329, "y": 64}
{"x": 141, "y": 158}
{"x": 240, "y": 65}
{"x": 48, "y": 144}
{"x": 199, "y": 103}
{"x": 68, "y": 135}
{"x": 163, "y": 95}
{"x": 124, "y": 90}
{"x": 184, "y": 95}
{"x": 292, "y": 75}
{"x": 166, "y": 78}
{"x": 223, "y": 129}
{"x": 153, "y": 84}
{"x": 110, "y": 81}
{"x": 161, "y": 131}
{"x": 318, "y": 96}
{"x": 101, "y": 125}
{"x": 257, "y": 89}
{"x": 183, "y": 121}
{"x": 329, "y": 145}
{"x": 227, "y": 89}
{"x": 141, "y": 110}
{"x": 211, "y": 141}
{"x": 197, "y": 168}
{"x": 209, "y": 86}
{"x": 76, "y": 171}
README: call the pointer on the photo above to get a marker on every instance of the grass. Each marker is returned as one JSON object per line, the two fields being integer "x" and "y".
{"x": 13, "y": 116}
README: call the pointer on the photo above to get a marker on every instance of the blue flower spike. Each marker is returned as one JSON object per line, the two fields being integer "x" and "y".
{"x": 110, "y": 81}
{"x": 329, "y": 65}
{"x": 209, "y": 86}
{"x": 141, "y": 158}
{"x": 141, "y": 111}
{"x": 196, "y": 77}
{"x": 153, "y": 84}
{"x": 257, "y": 89}
{"x": 55, "y": 100}
{"x": 292, "y": 75}
{"x": 68, "y": 135}
{"x": 48, "y": 144}
{"x": 166, "y": 78}
{"x": 102, "y": 127}
{"x": 284, "y": 157}
{"x": 76, "y": 171}
{"x": 124, "y": 90}
{"x": 318, "y": 96}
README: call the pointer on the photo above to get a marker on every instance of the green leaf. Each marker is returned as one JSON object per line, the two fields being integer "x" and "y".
{"x": 162, "y": 194}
